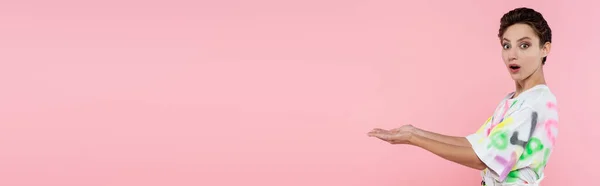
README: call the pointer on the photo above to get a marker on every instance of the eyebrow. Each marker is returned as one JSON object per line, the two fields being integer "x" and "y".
{"x": 523, "y": 38}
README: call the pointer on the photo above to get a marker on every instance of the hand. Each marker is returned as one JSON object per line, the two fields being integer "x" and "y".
{"x": 405, "y": 128}
{"x": 394, "y": 136}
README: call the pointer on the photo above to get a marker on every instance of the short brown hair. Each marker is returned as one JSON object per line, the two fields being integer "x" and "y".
{"x": 530, "y": 17}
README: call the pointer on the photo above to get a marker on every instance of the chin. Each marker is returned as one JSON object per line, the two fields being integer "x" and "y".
{"x": 516, "y": 77}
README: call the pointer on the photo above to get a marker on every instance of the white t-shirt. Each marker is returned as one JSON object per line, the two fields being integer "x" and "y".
{"x": 516, "y": 141}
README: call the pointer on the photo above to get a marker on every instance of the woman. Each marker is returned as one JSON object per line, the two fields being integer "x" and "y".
{"x": 514, "y": 144}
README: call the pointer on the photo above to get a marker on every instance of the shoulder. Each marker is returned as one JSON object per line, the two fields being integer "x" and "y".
{"x": 541, "y": 100}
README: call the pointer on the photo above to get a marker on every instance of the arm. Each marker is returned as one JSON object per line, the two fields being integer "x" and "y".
{"x": 453, "y": 140}
{"x": 459, "y": 154}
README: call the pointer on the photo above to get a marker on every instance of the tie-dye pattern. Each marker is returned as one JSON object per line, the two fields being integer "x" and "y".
{"x": 516, "y": 141}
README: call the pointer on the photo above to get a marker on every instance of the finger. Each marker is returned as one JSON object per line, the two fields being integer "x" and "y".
{"x": 384, "y": 137}
{"x": 378, "y": 131}
{"x": 373, "y": 134}
{"x": 375, "y": 131}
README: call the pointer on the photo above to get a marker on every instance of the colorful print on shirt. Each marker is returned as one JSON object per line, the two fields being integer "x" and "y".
{"x": 516, "y": 141}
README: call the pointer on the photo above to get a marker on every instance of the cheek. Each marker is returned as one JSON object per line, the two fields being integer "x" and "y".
{"x": 504, "y": 56}
{"x": 531, "y": 54}
{"x": 531, "y": 62}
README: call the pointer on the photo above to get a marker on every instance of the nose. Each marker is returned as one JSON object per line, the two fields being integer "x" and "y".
{"x": 513, "y": 54}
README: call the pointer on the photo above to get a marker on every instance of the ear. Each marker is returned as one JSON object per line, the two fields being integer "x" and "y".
{"x": 546, "y": 48}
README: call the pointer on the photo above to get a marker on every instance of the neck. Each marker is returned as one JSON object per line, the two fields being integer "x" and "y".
{"x": 537, "y": 78}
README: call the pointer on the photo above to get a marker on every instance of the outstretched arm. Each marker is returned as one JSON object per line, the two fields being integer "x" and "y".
{"x": 459, "y": 154}
{"x": 464, "y": 155}
{"x": 453, "y": 140}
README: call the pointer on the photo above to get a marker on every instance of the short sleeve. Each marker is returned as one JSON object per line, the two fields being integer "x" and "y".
{"x": 501, "y": 149}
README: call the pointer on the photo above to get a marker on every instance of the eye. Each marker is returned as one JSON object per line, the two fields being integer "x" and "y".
{"x": 524, "y": 45}
{"x": 505, "y": 46}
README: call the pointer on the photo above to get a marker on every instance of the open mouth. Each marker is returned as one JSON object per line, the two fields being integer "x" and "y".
{"x": 514, "y": 67}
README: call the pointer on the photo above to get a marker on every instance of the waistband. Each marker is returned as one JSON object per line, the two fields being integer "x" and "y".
{"x": 495, "y": 183}
{"x": 488, "y": 181}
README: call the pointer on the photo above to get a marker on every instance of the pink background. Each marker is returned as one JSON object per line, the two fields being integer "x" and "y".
{"x": 267, "y": 92}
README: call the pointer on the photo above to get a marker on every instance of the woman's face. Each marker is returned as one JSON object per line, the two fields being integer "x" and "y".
{"x": 521, "y": 51}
